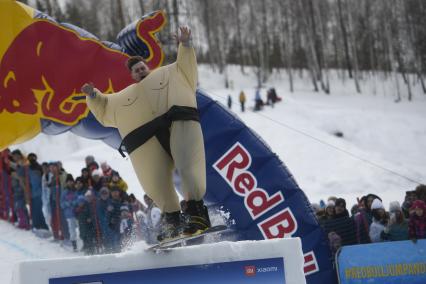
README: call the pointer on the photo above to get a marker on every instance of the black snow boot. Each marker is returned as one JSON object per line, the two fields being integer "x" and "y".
{"x": 171, "y": 226}
{"x": 197, "y": 218}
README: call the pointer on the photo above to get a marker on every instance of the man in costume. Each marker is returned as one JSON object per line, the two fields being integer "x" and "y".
{"x": 158, "y": 120}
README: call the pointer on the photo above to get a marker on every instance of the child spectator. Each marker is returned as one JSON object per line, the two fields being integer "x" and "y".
{"x": 117, "y": 181}
{"x": 102, "y": 209}
{"x": 152, "y": 221}
{"x": 80, "y": 189}
{"x": 126, "y": 226}
{"x": 85, "y": 222}
{"x": 68, "y": 204}
{"x": 397, "y": 229}
{"x": 417, "y": 224}
{"x": 114, "y": 218}
{"x": 379, "y": 221}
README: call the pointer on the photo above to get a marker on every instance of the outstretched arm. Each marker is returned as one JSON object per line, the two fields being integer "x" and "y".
{"x": 99, "y": 105}
{"x": 186, "y": 59}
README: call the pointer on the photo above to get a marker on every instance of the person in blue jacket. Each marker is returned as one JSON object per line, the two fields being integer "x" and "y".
{"x": 35, "y": 173}
{"x": 68, "y": 205}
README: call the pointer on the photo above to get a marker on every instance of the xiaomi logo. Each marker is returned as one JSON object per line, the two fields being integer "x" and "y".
{"x": 250, "y": 270}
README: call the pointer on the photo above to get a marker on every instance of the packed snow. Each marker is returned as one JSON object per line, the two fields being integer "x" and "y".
{"x": 382, "y": 149}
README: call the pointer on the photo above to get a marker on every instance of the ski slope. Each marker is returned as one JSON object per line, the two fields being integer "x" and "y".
{"x": 382, "y": 150}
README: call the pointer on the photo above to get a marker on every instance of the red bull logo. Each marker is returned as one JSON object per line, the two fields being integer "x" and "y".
{"x": 43, "y": 66}
{"x": 46, "y": 64}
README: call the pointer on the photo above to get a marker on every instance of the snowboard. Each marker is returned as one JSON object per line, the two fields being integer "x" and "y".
{"x": 188, "y": 240}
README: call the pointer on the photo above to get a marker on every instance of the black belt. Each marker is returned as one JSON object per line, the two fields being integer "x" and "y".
{"x": 158, "y": 127}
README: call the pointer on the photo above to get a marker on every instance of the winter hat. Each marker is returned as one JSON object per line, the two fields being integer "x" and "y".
{"x": 341, "y": 202}
{"x": 115, "y": 173}
{"x": 330, "y": 203}
{"x": 124, "y": 208}
{"x": 418, "y": 204}
{"x": 88, "y": 193}
{"x": 69, "y": 178}
{"x": 104, "y": 190}
{"x": 32, "y": 155}
{"x": 377, "y": 204}
{"x": 394, "y": 206}
{"x": 97, "y": 172}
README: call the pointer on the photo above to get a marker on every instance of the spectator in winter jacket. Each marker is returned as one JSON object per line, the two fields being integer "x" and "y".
{"x": 35, "y": 173}
{"x": 85, "y": 222}
{"x": 117, "y": 181}
{"x": 329, "y": 212}
{"x": 86, "y": 178}
{"x": 152, "y": 221}
{"x": 19, "y": 200}
{"x": 362, "y": 222}
{"x": 46, "y": 180}
{"x": 229, "y": 101}
{"x": 6, "y": 210}
{"x": 397, "y": 229}
{"x": 97, "y": 180}
{"x": 242, "y": 99}
{"x": 380, "y": 220}
{"x": 102, "y": 208}
{"x": 91, "y": 164}
{"x": 80, "y": 189}
{"x": 341, "y": 224}
{"x": 114, "y": 218}
{"x": 410, "y": 197}
{"x": 57, "y": 184}
{"x": 68, "y": 205}
{"x": 126, "y": 226}
{"x": 417, "y": 224}
{"x": 106, "y": 171}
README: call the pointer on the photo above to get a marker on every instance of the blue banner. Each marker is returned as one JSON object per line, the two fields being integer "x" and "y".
{"x": 248, "y": 180}
{"x": 389, "y": 262}
{"x": 270, "y": 270}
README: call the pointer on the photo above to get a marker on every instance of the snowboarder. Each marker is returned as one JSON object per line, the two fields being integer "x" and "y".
{"x": 158, "y": 120}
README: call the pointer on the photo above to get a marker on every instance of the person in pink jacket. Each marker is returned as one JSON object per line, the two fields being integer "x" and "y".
{"x": 157, "y": 118}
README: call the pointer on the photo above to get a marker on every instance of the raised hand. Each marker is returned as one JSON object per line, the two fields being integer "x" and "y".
{"x": 87, "y": 88}
{"x": 184, "y": 35}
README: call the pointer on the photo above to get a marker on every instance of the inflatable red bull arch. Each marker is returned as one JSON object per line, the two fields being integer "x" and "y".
{"x": 44, "y": 63}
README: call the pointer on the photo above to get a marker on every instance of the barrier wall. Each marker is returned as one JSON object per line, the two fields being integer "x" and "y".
{"x": 268, "y": 261}
{"x": 387, "y": 263}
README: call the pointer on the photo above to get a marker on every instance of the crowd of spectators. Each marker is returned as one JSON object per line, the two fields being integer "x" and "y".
{"x": 370, "y": 222}
{"x": 92, "y": 212}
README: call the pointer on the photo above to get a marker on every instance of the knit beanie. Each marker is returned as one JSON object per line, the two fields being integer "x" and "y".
{"x": 377, "y": 204}
{"x": 394, "y": 206}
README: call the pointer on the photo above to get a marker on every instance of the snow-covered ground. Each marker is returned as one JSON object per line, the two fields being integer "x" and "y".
{"x": 382, "y": 151}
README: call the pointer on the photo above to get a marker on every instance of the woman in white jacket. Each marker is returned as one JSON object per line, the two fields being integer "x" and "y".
{"x": 379, "y": 221}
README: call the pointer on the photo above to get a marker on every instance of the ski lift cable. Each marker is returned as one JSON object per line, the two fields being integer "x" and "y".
{"x": 374, "y": 164}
